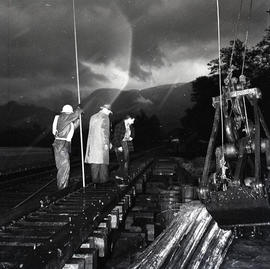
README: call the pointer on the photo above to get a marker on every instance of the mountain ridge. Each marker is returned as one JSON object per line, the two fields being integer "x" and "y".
{"x": 166, "y": 102}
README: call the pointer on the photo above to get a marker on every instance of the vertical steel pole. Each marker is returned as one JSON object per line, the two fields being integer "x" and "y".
{"x": 78, "y": 87}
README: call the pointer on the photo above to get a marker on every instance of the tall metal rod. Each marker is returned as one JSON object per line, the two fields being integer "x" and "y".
{"x": 78, "y": 88}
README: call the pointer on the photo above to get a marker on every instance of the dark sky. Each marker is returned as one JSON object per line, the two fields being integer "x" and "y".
{"x": 121, "y": 44}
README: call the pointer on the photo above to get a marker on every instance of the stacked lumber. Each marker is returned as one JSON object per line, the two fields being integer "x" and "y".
{"x": 192, "y": 240}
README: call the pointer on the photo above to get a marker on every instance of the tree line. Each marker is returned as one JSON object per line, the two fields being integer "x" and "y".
{"x": 199, "y": 118}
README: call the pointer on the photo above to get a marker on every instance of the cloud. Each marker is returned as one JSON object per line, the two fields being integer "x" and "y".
{"x": 143, "y": 100}
{"x": 189, "y": 28}
{"x": 116, "y": 77}
{"x": 39, "y": 55}
{"x": 125, "y": 43}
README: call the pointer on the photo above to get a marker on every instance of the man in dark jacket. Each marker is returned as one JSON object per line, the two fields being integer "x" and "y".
{"x": 63, "y": 130}
{"x": 122, "y": 143}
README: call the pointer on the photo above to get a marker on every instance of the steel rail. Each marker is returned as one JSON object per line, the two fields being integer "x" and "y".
{"x": 70, "y": 223}
{"x": 44, "y": 195}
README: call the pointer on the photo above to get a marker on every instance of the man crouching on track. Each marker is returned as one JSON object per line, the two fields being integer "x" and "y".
{"x": 63, "y": 130}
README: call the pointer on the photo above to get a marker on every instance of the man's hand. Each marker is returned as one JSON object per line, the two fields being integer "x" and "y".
{"x": 80, "y": 110}
{"x": 120, "y": 149}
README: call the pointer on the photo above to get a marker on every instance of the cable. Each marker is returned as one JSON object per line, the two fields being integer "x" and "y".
{"x": 78, "y": 87}
{"x": 219, "y": 72}
{"x": 268, "y": 21}
{"x": 243, "y": 64}
{"x": 245, "y": 109}
{"x": 236, "y": 31}
{"x": 245, "y": 44}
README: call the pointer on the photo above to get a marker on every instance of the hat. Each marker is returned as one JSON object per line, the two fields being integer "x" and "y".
{"x": 129, "y": 119}
{"x": 107, "y": 106}
{"x": 67, "y": 109}
{"x": 129, "y": 116}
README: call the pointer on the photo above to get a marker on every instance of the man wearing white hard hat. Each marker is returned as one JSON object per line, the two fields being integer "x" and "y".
{"x": 98, "y": 144}
{"x": 63, "y": 128}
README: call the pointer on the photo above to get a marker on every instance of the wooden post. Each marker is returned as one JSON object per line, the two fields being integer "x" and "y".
{"x": 241, "y": 160}
{"x": 257, "y": 142}
{"x": 263, "y": 124}
{"x": 210, "y": 148}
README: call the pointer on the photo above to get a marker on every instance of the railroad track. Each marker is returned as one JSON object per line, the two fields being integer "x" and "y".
{"x": 51, "y": 230}
{"x": 32, "y": 185}
{"x": 10, "y": 180}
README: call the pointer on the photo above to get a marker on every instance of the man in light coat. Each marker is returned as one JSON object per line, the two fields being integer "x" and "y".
{"x": 98, "y": 144}
{"x": 63, "y": 129}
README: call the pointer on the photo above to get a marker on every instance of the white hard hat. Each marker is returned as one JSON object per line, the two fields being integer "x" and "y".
{"x": 67, "y": 109}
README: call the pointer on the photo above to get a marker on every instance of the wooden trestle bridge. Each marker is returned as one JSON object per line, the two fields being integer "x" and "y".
{"x": 45, "y": 231}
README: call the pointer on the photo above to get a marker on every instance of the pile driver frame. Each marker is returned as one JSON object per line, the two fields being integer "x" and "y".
{"x": 237, "y": 193}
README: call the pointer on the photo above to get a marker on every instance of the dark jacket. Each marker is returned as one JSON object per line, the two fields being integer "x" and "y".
{"x": 63, "y": 123}
{"x": 63, "y": 128}
{"x": 119, "y": 133}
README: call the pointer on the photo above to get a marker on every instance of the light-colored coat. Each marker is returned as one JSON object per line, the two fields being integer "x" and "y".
{"x": 98, "y": 141}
